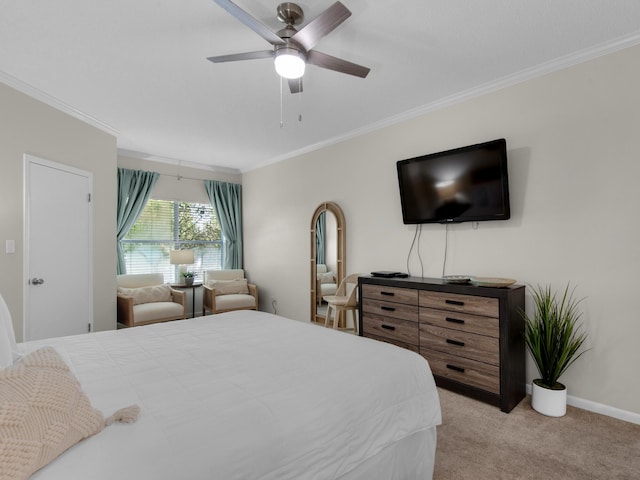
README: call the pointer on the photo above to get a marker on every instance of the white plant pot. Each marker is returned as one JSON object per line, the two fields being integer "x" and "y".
{"x": 552, "y": 403}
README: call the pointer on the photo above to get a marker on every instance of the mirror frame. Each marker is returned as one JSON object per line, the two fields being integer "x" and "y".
{"x": 340, "y": 250}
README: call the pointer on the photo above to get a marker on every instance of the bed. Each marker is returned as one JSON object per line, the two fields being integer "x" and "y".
{"x": 249, "y": 395}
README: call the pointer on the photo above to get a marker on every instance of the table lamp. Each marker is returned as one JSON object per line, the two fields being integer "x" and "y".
{"x": 182, "y": 258}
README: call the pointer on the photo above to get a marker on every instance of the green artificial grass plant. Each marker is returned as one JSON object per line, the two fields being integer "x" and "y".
{"x": 553, "y": 334}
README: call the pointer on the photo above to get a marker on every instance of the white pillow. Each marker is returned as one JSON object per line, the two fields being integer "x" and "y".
{"x": 153, "y": 294}
{"x": 8, "y": 347}
{"x": 228, "y": 287}
{"x": 326, "y": 277}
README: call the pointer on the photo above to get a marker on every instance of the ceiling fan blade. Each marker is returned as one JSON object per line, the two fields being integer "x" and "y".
{"x": 250, "y": 22}
{"x": 337, "y": 64}
{"x": 322, "y": 25}
{"x": 295, "y": 85}
{"x": 241, "y": 56}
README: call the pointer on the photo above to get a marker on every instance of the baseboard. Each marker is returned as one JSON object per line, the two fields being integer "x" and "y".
{"x": 599, "y": 408}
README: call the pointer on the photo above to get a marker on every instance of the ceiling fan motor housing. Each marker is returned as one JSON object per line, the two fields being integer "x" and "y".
{"x": 290, "y": 13}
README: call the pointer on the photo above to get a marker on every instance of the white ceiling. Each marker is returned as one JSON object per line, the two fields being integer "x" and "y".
{"x": 138, "y": 68}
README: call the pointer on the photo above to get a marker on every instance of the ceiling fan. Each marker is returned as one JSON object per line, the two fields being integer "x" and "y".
{"x": 292, "y": 48}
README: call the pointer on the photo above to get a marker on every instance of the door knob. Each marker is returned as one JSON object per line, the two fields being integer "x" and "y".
{"x": 37, "y": 281}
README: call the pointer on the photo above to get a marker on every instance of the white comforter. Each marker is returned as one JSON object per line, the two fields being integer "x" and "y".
{"x": 244, "y": 395}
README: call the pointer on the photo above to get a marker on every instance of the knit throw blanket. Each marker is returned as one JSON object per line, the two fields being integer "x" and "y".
{"x": 43, "y": 412}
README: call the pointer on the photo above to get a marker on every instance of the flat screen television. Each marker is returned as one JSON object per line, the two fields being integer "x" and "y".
{"x": 467, "y": 184}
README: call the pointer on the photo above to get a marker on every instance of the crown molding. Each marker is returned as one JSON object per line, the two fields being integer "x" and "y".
{"x": 499, "y": 84}
{"x": 519, "y": 77}
{"x": 56, "y": 103}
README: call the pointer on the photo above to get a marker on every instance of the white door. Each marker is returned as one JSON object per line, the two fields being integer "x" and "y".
{"x": 58, "y": 253}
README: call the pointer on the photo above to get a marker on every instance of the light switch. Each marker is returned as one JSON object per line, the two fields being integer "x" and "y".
{"x": 10, "y": 246}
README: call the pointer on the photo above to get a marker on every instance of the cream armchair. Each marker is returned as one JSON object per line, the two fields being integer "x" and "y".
{"x": 144, "y": 298}
{"x": 227, "y": 290}
{"x": 326, "y": 282}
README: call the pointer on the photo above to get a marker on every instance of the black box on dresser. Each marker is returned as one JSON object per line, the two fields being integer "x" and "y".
{"x": 471, "y": 336}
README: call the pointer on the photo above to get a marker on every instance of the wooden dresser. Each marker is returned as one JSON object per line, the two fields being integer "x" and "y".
{"x": 471, "y": 336}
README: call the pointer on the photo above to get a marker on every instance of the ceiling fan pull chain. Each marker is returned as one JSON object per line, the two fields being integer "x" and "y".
{"x": 300, "y": 101}
{"x": 281, "y": 117}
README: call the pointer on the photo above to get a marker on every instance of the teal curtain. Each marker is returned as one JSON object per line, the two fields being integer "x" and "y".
{"x": 226, "y": 199}
{"x": 134, "y": 189}
{"x": 320, "y": 229}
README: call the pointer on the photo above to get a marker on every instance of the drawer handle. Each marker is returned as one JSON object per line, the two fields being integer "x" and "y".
{"x": 454, "y": 302}
{"x": 455, "y": 342}
{"x": 457, "y": 369}
{"x": 387, "y": 294}
{"x": 388, "y": 309}
{"x": 388, "y": 327}
{"x": 454, "y": 320}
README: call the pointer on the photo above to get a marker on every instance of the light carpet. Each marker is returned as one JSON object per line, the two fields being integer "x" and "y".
{"x": 478, "y": 441}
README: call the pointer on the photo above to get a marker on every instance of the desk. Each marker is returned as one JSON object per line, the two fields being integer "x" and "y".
{"x": 193, "y": 287}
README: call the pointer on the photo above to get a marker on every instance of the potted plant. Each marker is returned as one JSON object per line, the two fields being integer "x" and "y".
{"x": 553, "y": 336}
{"x": 188, "y": 277}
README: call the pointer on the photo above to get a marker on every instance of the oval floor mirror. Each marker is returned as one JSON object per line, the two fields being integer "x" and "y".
{"x": 328, "y": 255}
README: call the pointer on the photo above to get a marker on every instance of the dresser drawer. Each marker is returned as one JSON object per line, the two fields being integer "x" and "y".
{"x": 463, "y": 344}
{"x": 390, "y": 294}
{"x": 397, "y": 343}
{"x": 394, "y": 329}
{"x": 489, "y": 326}
{"x": 391, "y": 309}
{"x": 489, "y": 307}
{"x": 464, "y": 370}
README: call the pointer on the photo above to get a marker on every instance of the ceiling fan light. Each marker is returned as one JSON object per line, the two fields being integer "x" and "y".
{"x": 289, "y": 63}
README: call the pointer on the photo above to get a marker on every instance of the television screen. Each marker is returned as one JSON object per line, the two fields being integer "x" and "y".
{"x": 467, "y": 184}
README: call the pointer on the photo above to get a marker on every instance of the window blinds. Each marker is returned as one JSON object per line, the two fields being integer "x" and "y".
{"x": 167, "y": 225}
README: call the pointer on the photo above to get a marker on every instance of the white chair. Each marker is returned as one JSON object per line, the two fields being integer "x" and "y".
{"x": 144, "y": 298}
{"x": 227, "y": 290}
{"x": 345, "y": 300}
{"x": 326, "y": 283}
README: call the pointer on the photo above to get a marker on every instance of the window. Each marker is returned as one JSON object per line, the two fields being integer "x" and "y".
{"x": 166, "y": 225}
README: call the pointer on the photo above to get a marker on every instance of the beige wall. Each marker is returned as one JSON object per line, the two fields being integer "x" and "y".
{"x": 574, "y": 163}
{"x": 29, "y": 126}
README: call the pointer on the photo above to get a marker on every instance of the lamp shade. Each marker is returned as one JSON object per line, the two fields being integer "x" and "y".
{"x": 181, "y": 257}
